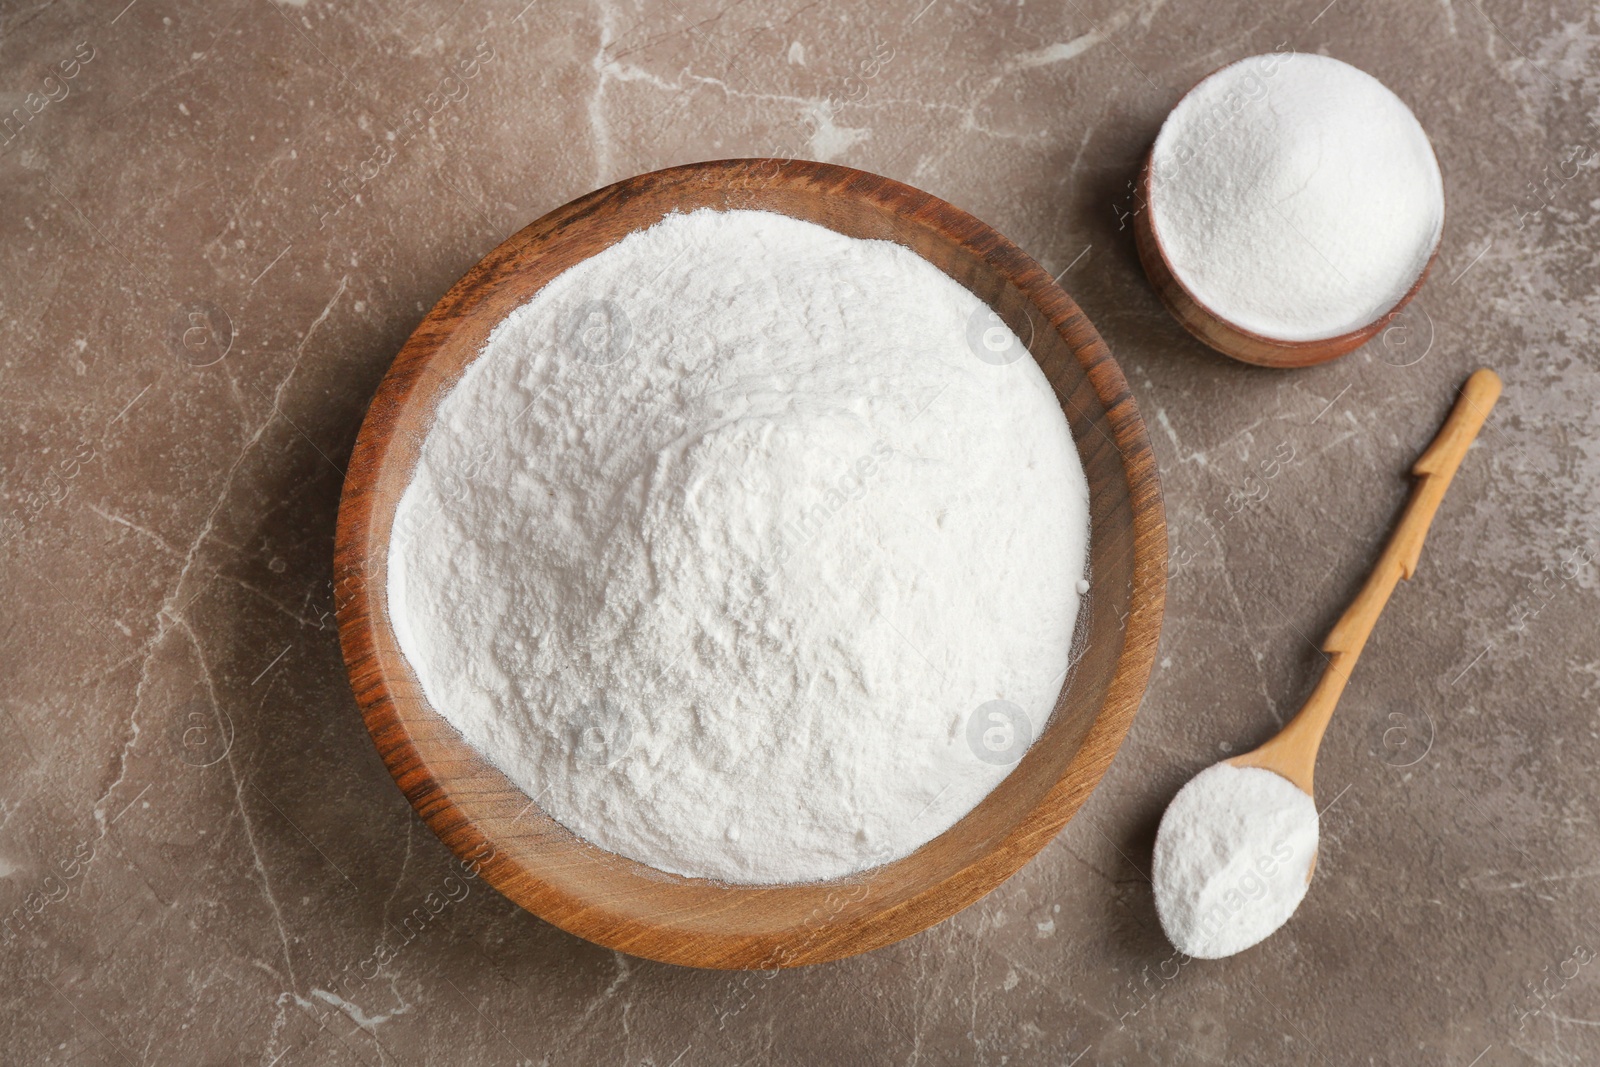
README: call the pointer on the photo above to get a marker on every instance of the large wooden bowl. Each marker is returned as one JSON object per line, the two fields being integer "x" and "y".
{"x": 499, "y": 832}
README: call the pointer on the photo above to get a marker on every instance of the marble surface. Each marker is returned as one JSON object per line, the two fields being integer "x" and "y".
{"x": 221, "y": 220}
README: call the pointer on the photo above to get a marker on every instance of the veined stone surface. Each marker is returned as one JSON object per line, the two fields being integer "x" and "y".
{"x": 219, "y": 228}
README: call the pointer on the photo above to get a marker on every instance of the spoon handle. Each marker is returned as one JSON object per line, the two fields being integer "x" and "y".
{"x": 1433, "y": 471}
{"x": 1293, "y": 753}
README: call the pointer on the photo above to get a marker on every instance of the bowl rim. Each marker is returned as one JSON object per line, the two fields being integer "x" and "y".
{"x": 1216, "y": 330}
{"x": 364, "y": 627}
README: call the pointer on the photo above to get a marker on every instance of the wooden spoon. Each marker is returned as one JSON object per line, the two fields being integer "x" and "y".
{"x": 1293, "y": 752}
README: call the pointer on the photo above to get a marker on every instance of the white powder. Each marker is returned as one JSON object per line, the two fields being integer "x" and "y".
{"x": 747, "y": 549}
{"x": 1231, "y": 859}
{"x": 1295, "y": 196}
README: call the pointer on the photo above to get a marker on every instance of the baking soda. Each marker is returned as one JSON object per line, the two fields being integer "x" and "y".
{"x": 1232, "y": 857}
{"x": 746, "y": 549}
{"x": 1295, "y": 196}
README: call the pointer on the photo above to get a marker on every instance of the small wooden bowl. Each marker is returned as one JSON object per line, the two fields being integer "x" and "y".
{"x": 1223, "y": 335}
{"x": 499, "y": 832}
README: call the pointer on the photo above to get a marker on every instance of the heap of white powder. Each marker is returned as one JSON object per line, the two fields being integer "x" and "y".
{"x": 748, "y": 550}
{"x": 1295, "y": 196}
{"x": 1232, "y": 857}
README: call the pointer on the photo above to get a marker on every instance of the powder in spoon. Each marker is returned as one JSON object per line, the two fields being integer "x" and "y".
{"x": 747, "y": 549}
{"x": 1295, "y": 196}
{"x": 1231, "y": 859}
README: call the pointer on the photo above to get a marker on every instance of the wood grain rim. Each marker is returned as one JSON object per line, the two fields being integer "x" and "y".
{"x": 616, "y": 902}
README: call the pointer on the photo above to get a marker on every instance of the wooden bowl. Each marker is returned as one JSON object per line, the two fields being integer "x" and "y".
{"x": 1224, "y": 336}
{"x": 499, "y": 832}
